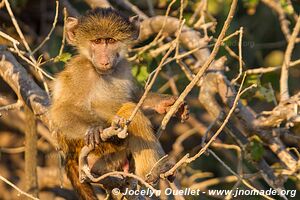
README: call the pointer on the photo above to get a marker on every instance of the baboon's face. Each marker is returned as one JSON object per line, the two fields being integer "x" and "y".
{"x": 105, "y": 54}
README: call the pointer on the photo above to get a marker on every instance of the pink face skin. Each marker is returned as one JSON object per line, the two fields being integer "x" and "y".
{"x": 105, "y": 54}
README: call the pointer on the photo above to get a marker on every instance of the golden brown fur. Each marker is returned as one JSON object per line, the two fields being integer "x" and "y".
{"x": 84, "y": 190}
{"x": 105, "y": 23}
{"x": 79, "y": 103}
{"x": 88, "y": 100}
{"x": 94, "y": 87}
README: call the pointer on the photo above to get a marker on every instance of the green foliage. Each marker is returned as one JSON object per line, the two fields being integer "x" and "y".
{"x": 141, "y": 70}
{"x": 64, "y": 57}
{"x": 140, "y": 73}
{"x": 266, "y": 93}
{"x": 263, "y": 92}
{"x": 252, "y": 79}
{"x": 287, "y": 7}
{"x": 255, "y": 148}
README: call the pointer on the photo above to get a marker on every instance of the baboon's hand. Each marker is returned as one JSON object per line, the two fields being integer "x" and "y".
{"x": 118, "y": 128}
{"x": 120, "y": 124}
{"x": 165, "y": 104}
{"x": 92, "y": 135}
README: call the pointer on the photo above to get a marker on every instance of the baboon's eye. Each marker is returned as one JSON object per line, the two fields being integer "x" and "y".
{"x": 110, "y": 40}
{"x": 97, "y": 41}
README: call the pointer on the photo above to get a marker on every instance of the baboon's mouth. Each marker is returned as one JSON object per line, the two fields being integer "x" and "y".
{"x": 126, "y": 166}
{"x": 103, "y": 72}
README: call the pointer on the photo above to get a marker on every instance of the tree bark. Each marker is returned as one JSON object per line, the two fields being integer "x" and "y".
{"x": 31, "y": 184}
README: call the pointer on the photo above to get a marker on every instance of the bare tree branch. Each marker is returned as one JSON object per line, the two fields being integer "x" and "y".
{"x": 284, "y": 89}
{"x": 23, "y": 85}
{"x": 203, "y": 68}
{"x": 18, "y": 189}
{"x": 31, "y": 182}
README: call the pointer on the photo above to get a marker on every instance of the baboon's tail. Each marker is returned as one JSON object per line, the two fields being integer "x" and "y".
{"x": 83, "y": 190}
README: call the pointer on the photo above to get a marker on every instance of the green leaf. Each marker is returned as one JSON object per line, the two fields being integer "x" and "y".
{"x": 267, "y": 93}
{"x": 287, "y": 7}
{"x": 64, "y": 57}
{"x": 256, "y": 148}
{"x": 253, "y": 79}
{"x": 140, "y": 73}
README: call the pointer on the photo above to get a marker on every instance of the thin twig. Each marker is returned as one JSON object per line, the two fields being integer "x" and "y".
{"x": 185, "y": 54}
{"x": 159, "y": 34}
{"x": 235, "y": 103}
{"x": 30, "y": 62}
{"x": 186, "y": 70}
{"x": 149, "y": 86}
{"x": 234, "y": 147}
{"x": 63, "y": 40}
{"x": 201, "y": 24}
{"x": 264, "y": 70}
{"x": 240, "y": 57}
{"x": 206, "y": 65}
{"x": 98, "y": 3}
{"x": 12, "y": 150}
{"x": 203, "y": 185}
{"x": 128, "y": 5}
{"x": 284, "y": 23}
{"x": 196, "y": 12}
{"x": 25, "y": 43}
{"x": 18, "y": 189}
{"x": 231, "y": 35}
{"x": 71, "y": 10}
{"x": 284, "y": 88}
{"x": 181, "y": 21}
{"x": 186, "y": 158}
{"x": 118, "y": 173}
{"x": 167, "y": 85}
{"x": 235, "y": 186}
{"x": 151, "y": 81}
{"x": 50, "y": 32}
{"x": 8, "y": 37}
{"x": 12, "y": 106}
{"x": 237, "y": 175}
{"x": 156, "y": 164}
{"x": 177, "y": 145}
{"x": 15, "y": 23}
{"x": 211, "y": 125}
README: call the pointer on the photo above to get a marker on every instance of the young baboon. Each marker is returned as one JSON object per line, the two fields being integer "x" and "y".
{"x": 96, "y": 89}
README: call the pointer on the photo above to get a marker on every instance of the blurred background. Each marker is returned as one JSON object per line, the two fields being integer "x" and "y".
{"x": 263, "y": 46}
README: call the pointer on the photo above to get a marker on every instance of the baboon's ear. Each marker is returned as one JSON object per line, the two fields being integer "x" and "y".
{"x": 135, "y": 20}
{"x": 70, "y": 27}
